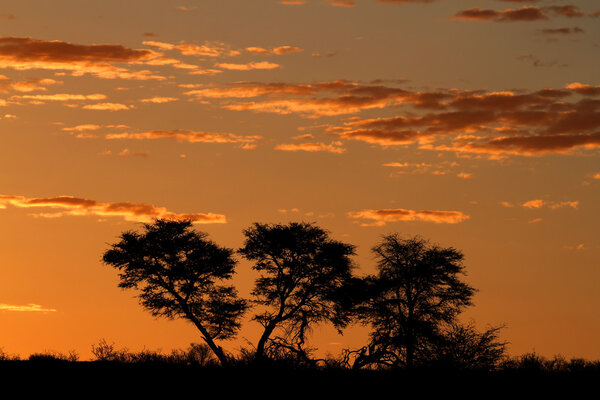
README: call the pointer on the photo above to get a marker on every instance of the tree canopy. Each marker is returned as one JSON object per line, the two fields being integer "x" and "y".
{"x": 302, "y": 273}
{"x": 178, "y": 273}
{"x": 416, "y": 291}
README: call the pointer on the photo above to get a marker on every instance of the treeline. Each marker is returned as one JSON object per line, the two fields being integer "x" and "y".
{"x": 306, "y": 278}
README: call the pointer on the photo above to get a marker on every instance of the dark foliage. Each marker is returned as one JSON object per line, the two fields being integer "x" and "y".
{"x": 302, "y": 276}
{"x": 415, "y": 294}
{"x": 178, "y": 273}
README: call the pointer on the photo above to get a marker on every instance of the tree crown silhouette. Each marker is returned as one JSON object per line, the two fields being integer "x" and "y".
{"x": 179, "y": 273}
{"x": 416, "y": 291}
{"x": 302, "y": 271}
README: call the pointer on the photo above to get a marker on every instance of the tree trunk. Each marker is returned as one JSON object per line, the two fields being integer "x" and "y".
{"x": 260, "y": 347}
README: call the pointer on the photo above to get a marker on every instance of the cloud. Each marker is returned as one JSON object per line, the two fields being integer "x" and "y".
{"x": 281, "y": 50}
{"x": 586, "y": 90}
{"x": 207, "y": 49}
{"x": 63, "y": 97}
{"x": 106, "y": 107}
{"x": 334, "y": 147}
{"x": 74, "y": 206}
{"x": 523, "y": 14}
{"x": 405, "y": 1}
{"x": 292, "y": 2}
{"x": 381, "y": 217}
{"x": 82, "y": 128}
{"x": 183, "y": 135}
{"x": 562, "y": 31}
{"x": 342, "y": 3}
{"x": 26, "y": 308}
{"x": 159, "y": 100}
{"x": 248, "y": 67}
{"x": 538, "y": 203}
{"x": 596, "y": 176}
{"x": 569, "y": 11}
{"x": 23, "y": 53}
{"x": 522, "y": 145}
{"x": 30, "y": 85}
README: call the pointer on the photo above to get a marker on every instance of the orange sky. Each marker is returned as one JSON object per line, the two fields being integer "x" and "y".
{"x": 475, "y": 124}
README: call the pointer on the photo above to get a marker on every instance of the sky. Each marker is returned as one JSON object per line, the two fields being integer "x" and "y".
{"x": 474, "y": 124}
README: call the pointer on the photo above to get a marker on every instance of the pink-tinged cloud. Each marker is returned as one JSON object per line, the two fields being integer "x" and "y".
{"x": 106, "y": 107}
{"x": 25, "y": 308}
{"x": 262, "y": 65}
{"x": 183, "y": 135}
{"x": 523, "y": 14}
{"x": 381, "y": 217}
{"x": 333, "y": 147}
{"x": 292, "y": 2}
{"x": 22, "y": 53}
{"x": 74, "y": 206}
{"x": 159, "y": 100}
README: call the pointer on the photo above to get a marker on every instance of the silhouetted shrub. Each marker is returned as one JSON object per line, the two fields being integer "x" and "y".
{"x": 71, "y": 356}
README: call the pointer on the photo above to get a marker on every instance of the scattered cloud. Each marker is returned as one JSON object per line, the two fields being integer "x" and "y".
{"x": 292, "y": 2}
{"x": 106, "y": 107}
{"x": 74, "y": 206}
{"x": 63, "y": 97}
{"x": 552, "y": 205}
{"x": 248, "y": 67}
{"x": 587, "y": 90}
{"x": 381, "y": 217}
{"x": 333, "y": 147}
{"x": 405, "y": 1}
{"x": 523, "y": 14}
{"x": 24, "y": 53}
{"x": 342, "y": 3}
{"x": 281, "y": 50}
{"x": 562, "y": 31}
{"x": 183, "y": 135}
{"x": 26, "y": 308}
{"x": 159, "y": 100}
{"x": 206, "y": 49}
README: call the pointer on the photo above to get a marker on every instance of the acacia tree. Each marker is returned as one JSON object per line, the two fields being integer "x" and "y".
{"x": 302, "y": 274}
{"x": 415, "y": 292}
{"x": 178, "y": 273}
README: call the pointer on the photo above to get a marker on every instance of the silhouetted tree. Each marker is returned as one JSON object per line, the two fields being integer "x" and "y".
{"x": 178, "y": 273}
{"x": 302, "y": 272}
{"x": 415, "y": 292}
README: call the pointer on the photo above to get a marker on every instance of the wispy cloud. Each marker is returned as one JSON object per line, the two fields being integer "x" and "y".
{"x": 75, "y": 206}
{"x": 382, "y": 217}
{"x": 25, "y": 308}
{"x": 334, "y": 147}
{"x": 183, "y": 135}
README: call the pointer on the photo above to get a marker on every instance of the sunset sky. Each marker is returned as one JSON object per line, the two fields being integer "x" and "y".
{"x": 473, "y": 123}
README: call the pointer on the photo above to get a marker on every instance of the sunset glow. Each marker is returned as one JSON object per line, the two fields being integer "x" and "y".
{"x": 474, "y": 124}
